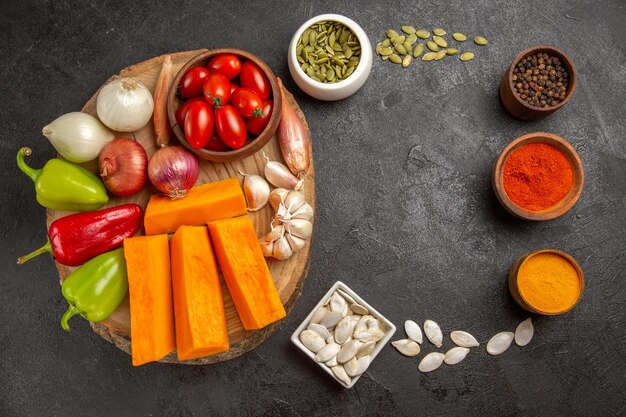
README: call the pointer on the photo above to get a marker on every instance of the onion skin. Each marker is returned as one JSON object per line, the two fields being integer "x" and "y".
{"x": 122, "y": 164}
{"x": 293, "y": 138}
{"x": 173, "y": 170}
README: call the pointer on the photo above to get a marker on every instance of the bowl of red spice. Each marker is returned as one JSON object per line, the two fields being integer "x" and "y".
{"x": 538, "y": 176}
{"x": 539, "y": 81}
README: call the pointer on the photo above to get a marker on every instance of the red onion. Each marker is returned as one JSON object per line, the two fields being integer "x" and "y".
{"x": 173, "y": 170}
{"x": 122, "y": 165}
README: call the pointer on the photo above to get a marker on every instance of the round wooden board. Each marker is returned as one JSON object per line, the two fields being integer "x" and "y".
{"x": 288, "y": 275}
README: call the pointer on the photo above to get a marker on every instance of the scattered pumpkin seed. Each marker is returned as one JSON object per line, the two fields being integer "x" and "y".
{"x": 392, "y": 34}
{"x": 422, "y": 33}
{"x": 399, "y": 40}
{"x": 459, "y": 37}
{"x": 400, "y": 49}
{"x": 395, "y": 58}
{"x": 432, "y": 46}
{"x": 406, "y": 61}
{"x": 451, "y": 51}
{"x": 429, "y": 56}
{"x": 466, "y": 56}
{"x": 408, "y": 47}
{"x": 440, "y": 55}
{"x": 417, "y": 51}
{"x": 386, "y": 51}
{"x": 409, "y": 30}
{"x": 411, "y": 39}
{"x": 439, "y": 31}
{"x": 479, "y": 40}
{"x": 440, "y": 41}
{"x": 386, "y": 43}
{"x": 384, "y": 57}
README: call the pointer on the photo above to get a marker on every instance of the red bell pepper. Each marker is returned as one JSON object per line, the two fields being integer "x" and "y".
{"x": 76, "y": 238}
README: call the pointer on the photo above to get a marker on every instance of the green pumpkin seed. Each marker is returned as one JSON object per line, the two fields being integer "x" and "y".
{"x": 432, "y": 46}
{"x": 417, "y": 51}
{"x": 344, "y": 36}
{"x": 395, "y": 58}
{"x": 411, "y": 39}
{"x": 386, "y": 51}
{"x": 330, "y": 50}
{"x": 429, "y": 56}
{"x": 406, "y": 61}
{"x": 300, "y": 60}
{"x": 310, "y": 72}
{"x": 312, "y": 37}
{"x": 422, "y": 33}
{"x": 399, "y": 40}
{"x": 383, "y": 57}
{"x": 439, "y": 31}
{"x": 480, "y": 40}
{"x": 408, "y": 47}
{"x": 392, "y": 34}
{"x": 330, "y": 74}
{"x": 336, "y": 47}
{"x": 331, "y": 39}
{"x": 440, "y": 55}
{"x": 459, "y": 37}
{"x": 440, "y": 41}
{"x": 386, "y": 43}
{"x": 321, "y": 61}
{"x": 409, "y": 30}
{"x": 305, "y": 37}
{"x": 349, "y": 71}
{"x": 400, "y": 49}
{"x": 466, "y": 56}
{"x": 451, "y": 51}
{"x": 348, "y": 52}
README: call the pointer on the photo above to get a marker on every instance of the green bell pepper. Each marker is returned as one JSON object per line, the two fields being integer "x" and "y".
{"x": 62, "y": 185}
{"x": 97, "y": 288}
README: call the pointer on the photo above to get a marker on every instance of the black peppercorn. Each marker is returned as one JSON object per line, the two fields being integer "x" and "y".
{"x": 540, "y": 80}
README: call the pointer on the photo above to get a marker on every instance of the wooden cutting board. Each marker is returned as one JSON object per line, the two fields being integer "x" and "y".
{"x": 288, "y": 275}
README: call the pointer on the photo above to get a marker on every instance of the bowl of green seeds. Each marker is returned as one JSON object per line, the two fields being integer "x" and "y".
{"x": 330, "y": 57}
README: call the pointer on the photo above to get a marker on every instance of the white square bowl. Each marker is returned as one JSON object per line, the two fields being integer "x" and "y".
{"x": 390, "y": 329}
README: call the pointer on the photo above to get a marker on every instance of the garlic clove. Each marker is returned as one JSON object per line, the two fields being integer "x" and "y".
{"x": 267, "y": 248}
{"x": 282, "y": 249}
{"x": 300, "y": 228}
{"x": 274, "y": 234}
{"x": 294, "y": 201}
{"x": 295, "y": 242}
{"x": 256, "y": 190}
{"x": 280, "y": 176}
{"x": 282, "y": 213}
{"x": 277, "y": 197}
{"x": 305, "y": 212}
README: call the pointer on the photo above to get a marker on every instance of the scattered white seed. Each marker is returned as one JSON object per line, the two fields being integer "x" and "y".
{"x": 524, "y": 332}
{"x": 433, "y": 333}
{"x": 499, "y": 343}
{"x": 431, "y": 362}
{"x": 407, "y": 347}
{"x": 413, "y": 330}
{"x": 463, "y": 339}
{"x": 455, "y": 355}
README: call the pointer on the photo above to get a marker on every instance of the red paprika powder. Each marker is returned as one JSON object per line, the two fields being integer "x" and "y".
{"x": 537, "y": 176}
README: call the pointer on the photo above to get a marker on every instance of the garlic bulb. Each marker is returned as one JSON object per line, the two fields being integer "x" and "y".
{"x": 78, "y": 137}
{"x": 280, "y": 176}
{"x": 125, "y": 105}
{"x": 291, "y": 225}
{"x": 256, "y": 190}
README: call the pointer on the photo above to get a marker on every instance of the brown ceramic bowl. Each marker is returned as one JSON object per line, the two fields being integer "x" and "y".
{"x": 253, "y": 144}
{"x": 519, "y": 298}
{"x": 518, "y": 107}
{"x": 562, "y": 206}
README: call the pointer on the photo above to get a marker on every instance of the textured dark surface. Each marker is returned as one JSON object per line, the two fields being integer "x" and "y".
{"x": 406, "y": 215}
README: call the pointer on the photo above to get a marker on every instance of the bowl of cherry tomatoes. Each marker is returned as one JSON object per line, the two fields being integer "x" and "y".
{"x": 224, "y": 104}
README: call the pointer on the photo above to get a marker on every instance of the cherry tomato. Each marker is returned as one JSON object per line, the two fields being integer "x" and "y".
{"x": 226, "y": 64}
{"x": 255, "y": 125}
{"x": 199, "y": 123}
{"x": 192, "y": 82}
{"x": 233, "y": 87}
{"x": 215, "y": 144}
{"x": 247, "y": 103}
{"x": 182, "y": 111}
{"x": 254, "y": 78}
{"x": 230, "y": 127}
{"x": 216, "y": 90}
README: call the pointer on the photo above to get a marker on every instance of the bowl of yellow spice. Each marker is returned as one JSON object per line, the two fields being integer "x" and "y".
{"x": 548, "y": 282}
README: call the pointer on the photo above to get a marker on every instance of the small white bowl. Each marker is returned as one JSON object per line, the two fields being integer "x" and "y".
{"x": 389, "y": 326}
{"x": 341, "y": 89}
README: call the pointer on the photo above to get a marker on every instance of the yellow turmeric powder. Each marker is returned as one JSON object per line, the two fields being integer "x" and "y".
{"x": 549, "y": 282}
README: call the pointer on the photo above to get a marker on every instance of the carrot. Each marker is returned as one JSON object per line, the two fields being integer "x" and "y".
{"x": 162, "y": 128}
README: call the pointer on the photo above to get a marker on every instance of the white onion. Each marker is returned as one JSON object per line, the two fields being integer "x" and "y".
{"x": 173, "y": 170}
{"x": 125, "y": 105}
{"x": 78, "y": 137}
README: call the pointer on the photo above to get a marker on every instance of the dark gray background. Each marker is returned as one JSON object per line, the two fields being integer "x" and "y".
{"x": 405, "y": 216}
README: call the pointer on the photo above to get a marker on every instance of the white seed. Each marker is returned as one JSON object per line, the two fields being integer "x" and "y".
{"x": 364, "y": 363}
{"x": 318, "y": 315}
{"x": 351, "y": 367}
{"x": 433, "y": 333}
{"x": 327, "y": 352}
{"x": 319, "y": 329}
{"x": 455, "y": 355}
{"x": 348, "y": 350}
{"x": 500, "y": 343}
{"x": 359, "y": 309}
{"x": 330, "y": 339}
{"x": 347, "y": 296}
{"x": 331, "y": 319}
{"x": 370, "y": 335}
{"x": 431, "y": 362}
{"x": 361, "y": 325}
{"x": 524, "y": 332}
{"x": 407, "y": 347}
{"x": 413, "y": 330}
{"x": 332, "y": 362}
{"x": 338, "y": 303}
{"x": 366, "y": 350}
{"x": 463, "y": 339}
{"x": 341, "y": 374}
{"x": 312, "y": 341}
{"x": 344, "y": 330}
{"x": 355, "y": 318}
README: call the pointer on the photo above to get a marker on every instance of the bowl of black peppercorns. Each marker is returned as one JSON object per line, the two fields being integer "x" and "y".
{"x": 539, "y": 81}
